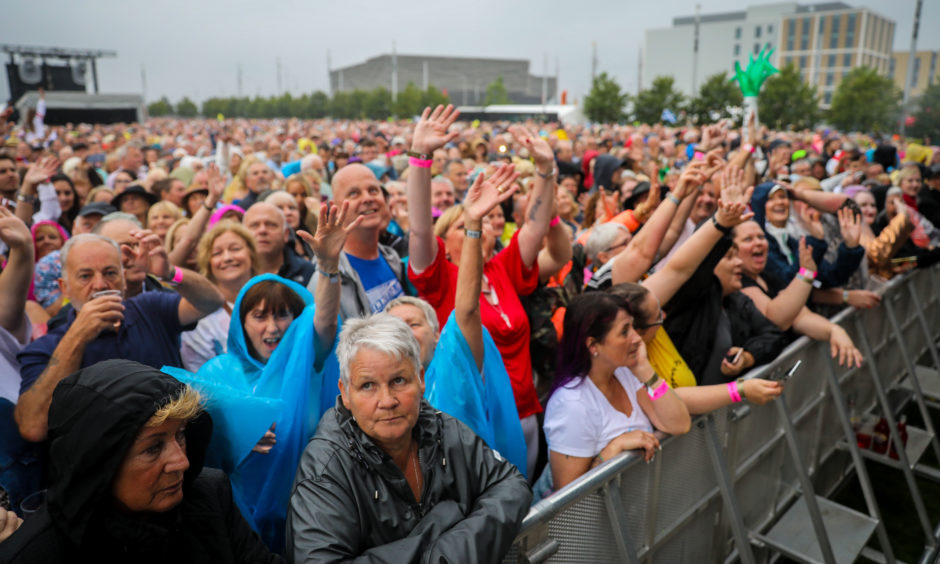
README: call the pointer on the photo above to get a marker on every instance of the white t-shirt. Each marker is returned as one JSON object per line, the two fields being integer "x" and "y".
{"x": 208, "y": 340}
{"x": 10, "y": 345}
{"x": 579, "y": 421}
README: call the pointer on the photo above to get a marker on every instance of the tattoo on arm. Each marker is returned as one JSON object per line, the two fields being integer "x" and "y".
{"x": 534, "y": 209}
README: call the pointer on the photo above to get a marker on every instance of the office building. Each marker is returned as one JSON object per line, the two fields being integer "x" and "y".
{"x": 824, "y": 41}
{"x": 925, "y": 70}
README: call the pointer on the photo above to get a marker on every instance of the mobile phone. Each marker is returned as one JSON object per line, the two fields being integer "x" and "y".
{"x": 789, "y": 373}
{"x": 735, "y": 358}
{"x": 7, "y": 203}
{"x": 901, "y": 260}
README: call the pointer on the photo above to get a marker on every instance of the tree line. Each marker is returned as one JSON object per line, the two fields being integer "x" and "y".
{"x": 863, "y": 101}
{"x": 374, "y": 104}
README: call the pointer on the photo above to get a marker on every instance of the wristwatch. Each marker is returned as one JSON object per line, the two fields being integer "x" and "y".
{"x": 33, "y": 200}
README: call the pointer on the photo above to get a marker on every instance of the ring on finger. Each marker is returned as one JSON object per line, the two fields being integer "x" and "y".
{"x": 501, "y": 189}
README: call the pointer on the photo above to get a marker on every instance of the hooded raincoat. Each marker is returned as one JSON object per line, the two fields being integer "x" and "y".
{"x": 245, "y": 396}
{"x": 94, "y": 419}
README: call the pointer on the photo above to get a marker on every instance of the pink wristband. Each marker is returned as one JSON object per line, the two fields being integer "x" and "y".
{"x": 555, "y": 221}
{"x": 420, "y": 163}
{"x": 660, "y": 390}
{"x": 807, "y": 272}
{"x": 733, "y": 391}
{"x": 177, "y": 275}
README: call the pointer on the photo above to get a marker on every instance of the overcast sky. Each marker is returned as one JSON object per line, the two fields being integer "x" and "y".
{"x": 194, "y": 47}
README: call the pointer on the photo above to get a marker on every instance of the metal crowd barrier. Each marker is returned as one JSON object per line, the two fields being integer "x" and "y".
{"x": 722, "y": 492}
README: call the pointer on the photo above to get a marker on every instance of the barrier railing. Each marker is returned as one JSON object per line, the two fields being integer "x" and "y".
{"x": 717, "y": 491}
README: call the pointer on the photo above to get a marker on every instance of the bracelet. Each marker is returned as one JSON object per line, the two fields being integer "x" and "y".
{"x": 23, "y": 198}
{"x": 548, "y": 175}
{"x": 555, "y": 221}
{"x": 845, "y": 296}
{"x": 600, "y": 458}
{"x": 420, "y": 156}
{"x": 659, "y": 391}
{"x": 807, "y": 272}
{"x": 177, "y": 277}
{"x": 749, "y": 148}
{"x": 672, "y": 198}
{"x": 740, "y": 383}
{"x": 332, "y": 276}
{"x": 733, "y": 391}
{"x": 806, "y": 279}
{"x": 472, "y": 233}
{"x": 208, "y": 207}
{"x": 720, "y": 227}
{"x": 420, "y": 163}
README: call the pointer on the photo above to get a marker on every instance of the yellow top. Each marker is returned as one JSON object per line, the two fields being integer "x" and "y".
{"x": 667, "y": 362}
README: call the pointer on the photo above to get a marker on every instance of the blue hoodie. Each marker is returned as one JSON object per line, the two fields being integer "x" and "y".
{"x": 828, "y": 274}
{"x": 245, "y": 396}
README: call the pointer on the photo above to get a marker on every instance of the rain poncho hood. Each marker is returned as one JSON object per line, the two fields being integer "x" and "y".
{"x": 453, "y": 385}
{"x": 245, "y": 396}
{"x": 94, "y": 418}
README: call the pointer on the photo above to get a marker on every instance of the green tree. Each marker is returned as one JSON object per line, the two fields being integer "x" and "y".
{"x": 661, "y": 95}
{"x": 433, "y": 97}
{"x": 605, "y": 102}
{"x": 319, "y": 105}
{"x": 496, "y": 93}
{"x": 408, "y": 103}
{"x": 161, "y": 107}
{"x": 787, "y": 102}
{"x": 927, "y": 116}
{"x": 865, "y": 101}
{"x": 714, "y": 98}
{"x": 378, "y": 104}
{"x": 186, "y": 108}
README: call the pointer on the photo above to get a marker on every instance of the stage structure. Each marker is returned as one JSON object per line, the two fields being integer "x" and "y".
{"x": 63, "y": 74}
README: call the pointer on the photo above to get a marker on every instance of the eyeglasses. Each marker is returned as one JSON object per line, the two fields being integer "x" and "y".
{"x": 617, "y": 246}
{"x": 658, "y": 322}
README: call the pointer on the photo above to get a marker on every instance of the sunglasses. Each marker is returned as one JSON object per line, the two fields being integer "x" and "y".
{"x": 658, "y": 322}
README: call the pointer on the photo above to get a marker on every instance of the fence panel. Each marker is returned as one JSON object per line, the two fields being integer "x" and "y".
{"x": 672, "y": 509}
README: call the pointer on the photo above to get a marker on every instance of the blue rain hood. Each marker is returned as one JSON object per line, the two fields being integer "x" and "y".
{"x": 245, "y": 396}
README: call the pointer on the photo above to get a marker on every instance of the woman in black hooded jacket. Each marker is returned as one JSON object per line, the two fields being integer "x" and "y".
{"x": 127, "y": 481}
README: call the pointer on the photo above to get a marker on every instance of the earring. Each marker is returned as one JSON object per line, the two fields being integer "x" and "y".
{"x": 594, "y": 354}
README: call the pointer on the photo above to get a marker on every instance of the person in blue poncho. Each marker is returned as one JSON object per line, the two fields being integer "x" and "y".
{"x": 464, "y": 372}
{"x": 267, "y": 393}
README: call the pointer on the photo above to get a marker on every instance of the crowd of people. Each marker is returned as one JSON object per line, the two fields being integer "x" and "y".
{"x": 324, "y": 340}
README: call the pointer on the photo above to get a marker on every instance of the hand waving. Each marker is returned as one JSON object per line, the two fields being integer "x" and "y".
{"x": 13, "y": 231}
{"x": 851, "y": 226}
{"x": 41, "y": 171}
{"x": 431, "y": 131}
{"x": 332, "y": 230}
{"x": 539, "y": 148}
{"x": 484, "y": 195}
{"x": 149, "y": 252}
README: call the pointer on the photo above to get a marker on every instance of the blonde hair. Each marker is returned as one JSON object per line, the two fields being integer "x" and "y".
{"x": 186, "y": 407}
{"x": 448, "y": 218}
{"x": 171, "y": 233}
{"x": 165, "y": 206}
{"x": 204, "y": 255}
{"x": 809, "y": 182}
{"x": 90, "y": 197}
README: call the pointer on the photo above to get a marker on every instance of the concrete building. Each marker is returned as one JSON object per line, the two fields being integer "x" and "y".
{"x": 925, "y": 70}
{"x": 464, "y": 79}
{"x": 824, "y": 40}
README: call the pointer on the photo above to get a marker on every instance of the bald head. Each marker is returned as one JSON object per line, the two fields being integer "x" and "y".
{"x": 356, "y": 183}
{"x": 269, "y": 226}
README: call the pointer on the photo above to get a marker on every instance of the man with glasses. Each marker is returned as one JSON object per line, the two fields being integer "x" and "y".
{"x": 605, "y": 242}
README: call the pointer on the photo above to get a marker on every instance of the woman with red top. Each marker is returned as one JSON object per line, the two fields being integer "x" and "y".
{"x": 434, "y": 253}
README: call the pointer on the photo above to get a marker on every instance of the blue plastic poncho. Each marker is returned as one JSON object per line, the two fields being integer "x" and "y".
{"x": 245, "y": 396}
{"x": 453, "y": 385}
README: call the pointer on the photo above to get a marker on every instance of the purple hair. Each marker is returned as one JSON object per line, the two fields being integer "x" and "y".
{"x": 588, "y": 315}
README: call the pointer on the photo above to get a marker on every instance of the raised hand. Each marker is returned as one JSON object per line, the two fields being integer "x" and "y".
{"x": 539, "y": 148}
{"x": 216, "y": 185}
{"x": 806, "y": 256}
{"x": 150, "y": 252}
{"x": 431, "y": 131}
{"x": 486, "y": 194}
{"x": 40, "y": 171}
{"x": 693, "y": 176}
{"x": 851, "y": 226}
{"x": 13, "y": 231}
{"x": 331, "y": 234}
{"x": 733, "y": 189}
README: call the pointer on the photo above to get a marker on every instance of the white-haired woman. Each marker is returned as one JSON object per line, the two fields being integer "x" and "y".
{"x": 389, "y": 477}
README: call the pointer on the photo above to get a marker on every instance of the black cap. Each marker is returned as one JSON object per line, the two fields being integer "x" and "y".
{"x": 134, "y": 189}
{"x": 96, "y": 208}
